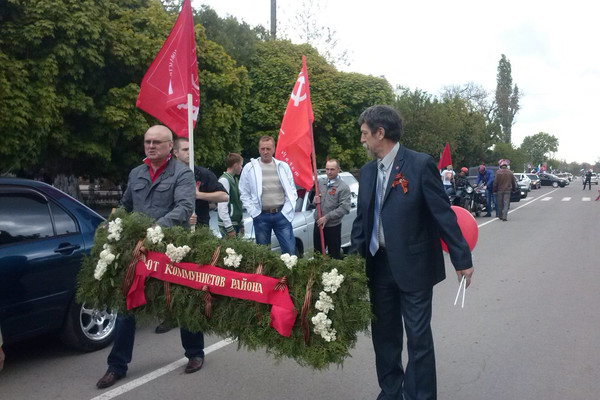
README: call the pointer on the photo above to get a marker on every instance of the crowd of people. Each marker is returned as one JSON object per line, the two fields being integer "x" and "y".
{"x": 164, "y": 188}
{"x": 402, "y": 212}
{"x": 498, "y": 186}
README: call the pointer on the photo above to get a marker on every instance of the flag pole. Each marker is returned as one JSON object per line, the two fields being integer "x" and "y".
{"x": 190, "y": 118}
{"x": 317, "y": 195}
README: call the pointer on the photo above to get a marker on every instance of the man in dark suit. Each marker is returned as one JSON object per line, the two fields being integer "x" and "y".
{"x": 398, "y": 231}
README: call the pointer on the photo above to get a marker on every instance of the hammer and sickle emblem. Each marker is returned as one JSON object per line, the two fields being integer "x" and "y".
{"x": 296, "y": 96}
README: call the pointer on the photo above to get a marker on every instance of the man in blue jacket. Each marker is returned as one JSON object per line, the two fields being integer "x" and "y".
{"x": 487, "y": 177}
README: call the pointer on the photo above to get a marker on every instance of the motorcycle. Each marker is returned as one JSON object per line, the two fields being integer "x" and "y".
{"x": 478, "y": 202}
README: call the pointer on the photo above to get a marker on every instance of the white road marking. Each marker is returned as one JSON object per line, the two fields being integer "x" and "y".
{"x": 566, "y": 199}
{"x": 547, "y": 199}
{"x": 158, "y": 373}
{"x": 586, "y": 199}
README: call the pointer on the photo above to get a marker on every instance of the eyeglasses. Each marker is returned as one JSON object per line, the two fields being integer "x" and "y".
{"x": 155, "y": 142}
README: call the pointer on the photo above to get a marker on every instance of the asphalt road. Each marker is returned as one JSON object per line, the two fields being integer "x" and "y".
{"x": 529, "y": 330}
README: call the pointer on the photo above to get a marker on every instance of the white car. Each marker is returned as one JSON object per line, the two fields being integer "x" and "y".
{"x": 304, "y": 220}
{"x": 524, "y": 183}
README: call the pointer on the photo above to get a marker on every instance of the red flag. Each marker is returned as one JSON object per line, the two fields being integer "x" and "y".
{"x": 172, "y": 75}
{"x": 445, "y": 158}
{"x": 294, "y": 144}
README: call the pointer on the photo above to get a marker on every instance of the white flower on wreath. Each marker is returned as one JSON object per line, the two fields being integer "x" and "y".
{"x": 289, "y": 261}
{"x": 233, "y": 259}
{"x": 106, "y": 258}
{"x": 332, "y": 281}
{"x": 176, "y": 254}
{"x": 155, "y": 235}
{"x": 323, "y": 327}
{"x": 114, "y": 230}
{"x": 325, "y": 303}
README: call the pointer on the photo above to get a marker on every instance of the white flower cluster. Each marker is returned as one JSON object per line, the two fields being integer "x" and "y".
{"x": 176, "y": 254}
{"x": 289, "y": 261}
{"x": 325, "y": 303}
{"x": 323, "y": 326}
{"x": 155, "y": 235}
{"x": 232, "y": 259}
{"x": 106, "y": 257}
{"x": 332, "y": 281}
{"x": 114, "y": 230}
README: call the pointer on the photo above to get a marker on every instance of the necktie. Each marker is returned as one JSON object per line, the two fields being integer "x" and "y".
{"x": 380, "y": 190}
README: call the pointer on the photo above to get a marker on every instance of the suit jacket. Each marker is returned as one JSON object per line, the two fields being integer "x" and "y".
{"x": 413, "y": 222}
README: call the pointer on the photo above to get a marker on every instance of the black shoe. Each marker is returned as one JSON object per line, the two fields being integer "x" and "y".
{"x": 194, "y": 364}
{"x": 109, "y": 379}
{"x": 487, "y": 215}
{"x": 163, "y": 327}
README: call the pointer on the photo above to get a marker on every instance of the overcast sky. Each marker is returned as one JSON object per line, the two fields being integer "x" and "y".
{"x": 427, "y": 45}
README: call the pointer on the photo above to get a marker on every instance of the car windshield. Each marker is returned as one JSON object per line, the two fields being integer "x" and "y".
{"x": 533, "y": 177}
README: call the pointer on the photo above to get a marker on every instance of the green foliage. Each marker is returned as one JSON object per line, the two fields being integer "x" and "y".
{"x": 238, "y": 39}
{"x": 429, "y": 123}
{"x": 539, "y": 146}
{"x": 337, "y": 99}
{"x": 507, "y": 99}
{"x": 69, "y": 79}
{"x": 246, "y": 321}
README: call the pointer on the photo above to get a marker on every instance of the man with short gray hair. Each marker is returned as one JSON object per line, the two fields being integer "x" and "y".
{"x": 335, "y": 203}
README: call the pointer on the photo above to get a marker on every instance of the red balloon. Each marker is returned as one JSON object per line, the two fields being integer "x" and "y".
{"x": 468, "y": 227}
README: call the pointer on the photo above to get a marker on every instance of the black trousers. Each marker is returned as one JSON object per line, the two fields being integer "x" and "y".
{"x": 589, "y": 183}
{"x": 394, "y": 309}
{"x": 333, "y": 240}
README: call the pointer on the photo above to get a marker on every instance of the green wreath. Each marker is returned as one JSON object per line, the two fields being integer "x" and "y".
{"x": 331, "y": 318}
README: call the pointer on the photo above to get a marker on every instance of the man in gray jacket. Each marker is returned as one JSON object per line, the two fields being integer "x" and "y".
{"x": 335, "y": 203}
{"x": 162, "y": 188}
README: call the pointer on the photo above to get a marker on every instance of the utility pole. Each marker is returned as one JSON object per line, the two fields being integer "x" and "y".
{"x": 273, "y": 19}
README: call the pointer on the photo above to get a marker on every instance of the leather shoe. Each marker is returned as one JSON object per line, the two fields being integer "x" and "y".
{"x": 109, "y": 379}
{"x": 194, "y": 364}
{"x": 163, "y": 327}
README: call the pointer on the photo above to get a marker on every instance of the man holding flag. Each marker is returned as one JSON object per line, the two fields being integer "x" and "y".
{"x": 169, "y": 91}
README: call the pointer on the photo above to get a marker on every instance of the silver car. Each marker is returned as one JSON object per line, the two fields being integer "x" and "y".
{"x": 524, "y": 183}
{"x": 304, "y": 220}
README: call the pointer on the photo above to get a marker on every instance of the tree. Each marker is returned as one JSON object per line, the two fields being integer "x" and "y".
{"x": 539, "y": 146}
{"x": 337, "y": 100}
{"x": 507, "y": 99}
{"x": 69, "y": 78}
{"x": 429, "y": 123}
{"x": 237, "y": 38}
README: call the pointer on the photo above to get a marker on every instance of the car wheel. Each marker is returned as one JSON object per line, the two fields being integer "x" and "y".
{"x": 525, "y": 194}
{"x": 87, "y": 329}
{"x": 554, "y": 184}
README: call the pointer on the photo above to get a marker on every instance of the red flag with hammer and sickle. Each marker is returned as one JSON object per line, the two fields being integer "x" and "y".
{"x": 294, "y": 144}
{"x": 172, "y": 75}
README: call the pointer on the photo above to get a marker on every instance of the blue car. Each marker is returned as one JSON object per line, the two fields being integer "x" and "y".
{"x": 44, "y": 233}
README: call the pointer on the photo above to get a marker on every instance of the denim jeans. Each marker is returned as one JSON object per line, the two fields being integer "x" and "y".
{"x": 122, "y": 349}
{"x": 265, "y": 223}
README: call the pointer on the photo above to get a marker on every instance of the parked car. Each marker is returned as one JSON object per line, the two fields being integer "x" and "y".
{"x": 594, "y": 178}
{"x": 44, "y": 233}
{"x": 535, "y": 181}
{"x": 565, "y": 175}
{"x": 552, "y": 180}
{"x": 304, "y": 220}
{"x": 524, "y": 184}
